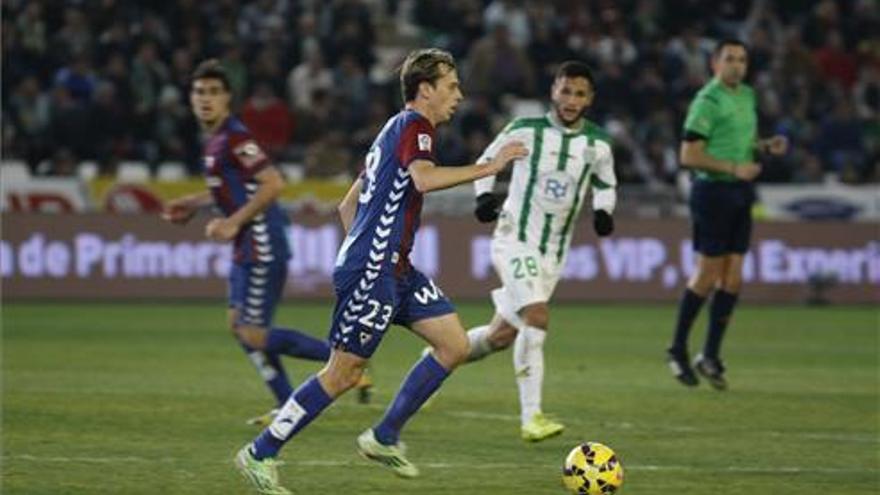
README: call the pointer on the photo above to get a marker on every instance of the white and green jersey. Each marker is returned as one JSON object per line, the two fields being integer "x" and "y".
{"x": 549, "y": 185}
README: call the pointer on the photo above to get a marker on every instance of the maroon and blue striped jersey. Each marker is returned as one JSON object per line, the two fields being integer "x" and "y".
{"x": 231, "y": 160}
{"x": 389, "y": 206}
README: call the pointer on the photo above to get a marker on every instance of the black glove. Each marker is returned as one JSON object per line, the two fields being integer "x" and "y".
{"x": 487, "y": 208}
{"x": 603, "y": 223}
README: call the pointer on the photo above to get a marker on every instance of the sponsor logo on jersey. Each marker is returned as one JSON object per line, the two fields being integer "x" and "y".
{"x": 428, "y": 293}
{"x": 556, "y": 191}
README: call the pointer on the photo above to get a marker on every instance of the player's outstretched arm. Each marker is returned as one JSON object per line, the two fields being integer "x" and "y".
{"x": 348, "y": 207}
{"x": 271, "y": 183}
{"x": 429, "y": 177}
{"x": 181, "y": 210}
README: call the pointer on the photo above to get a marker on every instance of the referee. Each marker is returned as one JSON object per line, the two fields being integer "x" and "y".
{"x": 719, "y": 144}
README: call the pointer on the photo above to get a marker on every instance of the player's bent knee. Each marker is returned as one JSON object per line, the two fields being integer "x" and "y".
{"x": 537, "y": 315}
{"x": 502, "y": 337}
{"x": 342, "y": 372}
{"x": 731, "y": 286}
{"x": 453, "y": 352}
{"x": 251, "y": 336}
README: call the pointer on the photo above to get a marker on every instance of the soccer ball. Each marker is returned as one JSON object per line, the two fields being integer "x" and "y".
{"x": 592, "y": 469}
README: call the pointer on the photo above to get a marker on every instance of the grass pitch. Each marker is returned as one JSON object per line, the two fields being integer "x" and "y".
{"x": 151, "y": 399}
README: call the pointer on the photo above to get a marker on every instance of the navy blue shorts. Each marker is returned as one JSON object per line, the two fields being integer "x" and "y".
{"x": 255, "y": 289}
{"x": 721, "y": 213}
{"x": 368, "y": 302}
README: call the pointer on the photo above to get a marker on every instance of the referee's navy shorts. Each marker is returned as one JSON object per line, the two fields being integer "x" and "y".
{"x": 721, "y": 213}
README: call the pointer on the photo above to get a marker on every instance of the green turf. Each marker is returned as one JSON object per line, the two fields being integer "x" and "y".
{"x": 150, "y": 399}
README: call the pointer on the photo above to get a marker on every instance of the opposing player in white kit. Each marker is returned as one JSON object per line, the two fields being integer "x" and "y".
{"x": 567, "y": 155}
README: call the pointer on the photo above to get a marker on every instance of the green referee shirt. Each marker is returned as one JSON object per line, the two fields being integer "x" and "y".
{"x": 728, "y": 120}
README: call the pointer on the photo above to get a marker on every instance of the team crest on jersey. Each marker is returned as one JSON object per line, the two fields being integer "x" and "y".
{"x": 249, "y": 153}
{"x": 424, "y": 142}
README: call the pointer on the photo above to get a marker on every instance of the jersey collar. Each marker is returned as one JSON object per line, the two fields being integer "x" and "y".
{"x": 554, "y": 120}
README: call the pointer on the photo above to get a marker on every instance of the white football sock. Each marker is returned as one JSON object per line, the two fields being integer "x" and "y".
{"x": 528, "y": 363}
{"x": 479, "y": 340}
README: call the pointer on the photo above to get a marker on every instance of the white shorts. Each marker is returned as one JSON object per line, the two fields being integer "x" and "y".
{"x": 527, "y": 277}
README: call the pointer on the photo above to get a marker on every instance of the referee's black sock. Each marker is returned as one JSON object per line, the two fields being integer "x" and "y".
{"x": 720, "y": 312}
{"x": 690, "y": 305}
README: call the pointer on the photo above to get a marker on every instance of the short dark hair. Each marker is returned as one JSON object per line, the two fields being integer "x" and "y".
{"x": 423, "y": 66}
{"x": 729, "y": 42}
{"x": 575, "y": 68}
{"x": 211, "y": 69}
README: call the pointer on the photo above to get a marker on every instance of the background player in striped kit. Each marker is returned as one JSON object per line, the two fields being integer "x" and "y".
{"x": 719, "y": 144}
{"x": 375, "y": 283}
{"x": 244, "y": 185}
{"x": 568, "y": 155}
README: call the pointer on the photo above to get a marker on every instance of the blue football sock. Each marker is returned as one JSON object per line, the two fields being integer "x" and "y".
{"x": 303, "y": 406}
{"x": 423, "y": 379}
{"x": 272, "y": 371}
{"x": 719, "y": 316}
{"x": 688, "y": 309}
{"x": 296, "y": 344}
{"x": 280, "y": 385}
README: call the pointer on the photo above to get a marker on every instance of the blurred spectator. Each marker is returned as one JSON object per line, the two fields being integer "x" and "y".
{"x": 269, "y": 119}
{"x": 114, "y": 39}
{"x": 321, "y": 116}
{"x": 351, "y": 33}
{"x": 691, "y": 52}
{"x": 835, "y": 63}
{"x": 77, "y": 78}
{"x": 181, "y": 67}
{"x": 824, "y": 18}
{"x": 616, "y": 48}
{"x": 69, "y": 126}
{"x": 148, "y": 74}
{"x": 867, "y": 93}
{"x": 353, "y": 89}
{"x": 363, "y": 137}
{"x": 511, "y": 14}
{"x": 63, "y": 163}
{"x": 796, "y": 61}
{"x": 236, "y": 70}
{"x": 174, "y": 128}
{"x": 496, "y": 66}
{"x": 74, "y": 37}
{"x": 840, "y": 144}
{"x": 266, "y": 67}
{"x": 258, "y": 17}
{"x": 31, "y": 30}
{"x": 329, "y": 157}
{"x": 307, "y": 77}
{"x": 30, "y": 111}
{"x": 109, "y": 122}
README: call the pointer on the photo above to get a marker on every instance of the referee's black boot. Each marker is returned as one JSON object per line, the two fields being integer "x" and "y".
{"x": 680, "y": 366}
{"x": 712, "y": 370}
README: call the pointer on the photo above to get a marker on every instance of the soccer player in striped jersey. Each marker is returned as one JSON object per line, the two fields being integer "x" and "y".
{"x": 719, "y": 144}
{"x": 569, "y": 156}
{"x": 244, "y": 186}
{"x": 376, "y": 285}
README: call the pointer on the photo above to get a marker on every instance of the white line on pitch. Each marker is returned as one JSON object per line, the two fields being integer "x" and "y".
{"x": 447, "y": 465}
{"x": 857, "y": 437}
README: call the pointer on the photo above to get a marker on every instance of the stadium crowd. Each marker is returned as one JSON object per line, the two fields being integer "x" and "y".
{"x": 106, "y": 80}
